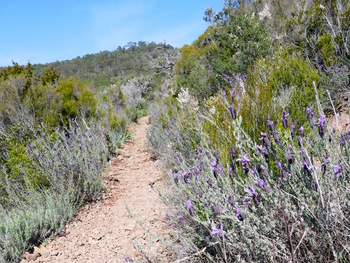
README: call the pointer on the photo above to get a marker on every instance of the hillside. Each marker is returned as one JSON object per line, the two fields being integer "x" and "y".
{"x": 107, "y": 67}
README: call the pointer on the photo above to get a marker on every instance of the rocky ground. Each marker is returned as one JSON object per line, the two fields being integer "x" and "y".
{"x": 108, "y": 230}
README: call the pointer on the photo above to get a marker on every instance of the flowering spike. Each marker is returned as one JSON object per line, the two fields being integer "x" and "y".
{"x": 217, "y": 232}
{"x": 190, "y": 207}
{"x": 337, "y": 170}
{"x": 276, "y": 137}
{"x": 217, "y": 209}
{"x": 214, "y": 167}
{"x": 245, "y": 162}
{"x": 231, "y": 200}
{"x": 239, "y": 214}
{"x": 232, "y": 92}
{"x": 232, "y": 112}
{"x": 176, "y": 179}
{"x": 284, "y": 119}
{"x": 321, "y": 124}
{"x": 292, "y": 128}
{"x": 270, "y": 124}
{"x": 265, "y": 139}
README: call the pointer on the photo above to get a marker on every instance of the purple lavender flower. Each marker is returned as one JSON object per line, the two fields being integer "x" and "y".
{"x": 200, "y": 193}
{"x": 230, "y": 172}
{"x": 231, "y": 200}
{"x": 217, "y": 209}
{"x": 214, "y": 167}
{"x": 337, "y": 170}
{"x": 258, "y": 168}
{"x": 207, "y": 203}
{"x": 207, "y": 182}
{"x": 301, "y": 129}
{"x": 217, "y": 232}
{"x": 265, "y": 172}
{"x": 290, "y": 157}
{"x": 265, "y": 139}
{"x": 321, "y": 124}
{"x": 180, "y": 218}
{"x": 245, "y": 162}
{"x": 270, "y": 124}
{"x": 248, "y": 203}
{"x": 260, "y": 182}
{"x": 239, "y": 214}
{"x": 260, "y": 148}
{"x": 279, "y": 165}
{"x": 176, "y": 179}
{"x": 179, "y": 158}
{"x": 324, "y": 164}
{"x": 306, "y": 166}
{"x": 232, "y": 92}
{"x": 284, "y": 119}
{"x": 276, "y": 137}
{"x": 208, "y": 155}
{"x": 232, "y": 112}
{"x": 263, "y": 152}
{"x": 151, "y": 184}
{"x": 310, "y": 116}
{"x": 252, "y": 191}
{"x": 70, "y": 165}
{"x": 292, "y": 128}
{"x": 201, "y": 165}
{"x": 187, "y": 177}
{"x": 190, "y": 207}
{"x": 20, "y": 137}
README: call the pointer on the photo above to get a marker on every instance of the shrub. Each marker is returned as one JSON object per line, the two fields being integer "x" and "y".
{"x": 320, "y": 30}
{"x": 284, "y": 82}
{"x": 281, "y": 199}
{"x": 228, "y": 47}
{"x": 71, "y": 161}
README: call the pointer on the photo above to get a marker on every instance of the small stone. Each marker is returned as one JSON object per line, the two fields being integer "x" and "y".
{"x": 120, "y": 157}
{"x": 54, "y": 253}
{"x": 31, "y": 257}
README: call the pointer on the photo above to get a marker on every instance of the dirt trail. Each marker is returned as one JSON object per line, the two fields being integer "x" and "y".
{"x": 101, "y": 232}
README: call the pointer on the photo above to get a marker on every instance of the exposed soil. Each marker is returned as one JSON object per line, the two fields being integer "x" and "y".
{"x": 104, "y": 231}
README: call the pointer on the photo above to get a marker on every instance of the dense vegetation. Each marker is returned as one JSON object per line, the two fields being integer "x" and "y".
{"x": 257, "y": 174}
{"x": 110, "y": 67}
{"x": 57, "y": 131}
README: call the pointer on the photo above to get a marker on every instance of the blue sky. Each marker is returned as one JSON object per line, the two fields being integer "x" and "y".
{"x": 47, "y": 31}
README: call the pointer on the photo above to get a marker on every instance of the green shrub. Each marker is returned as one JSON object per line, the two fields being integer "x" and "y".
{"x": 283, "y": 83}
{"x": 19, "y": 163}
{"x": 320, "y": 30}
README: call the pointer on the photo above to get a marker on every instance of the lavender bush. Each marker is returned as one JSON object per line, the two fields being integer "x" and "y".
{"x": 284, "y": 198}
{"x": 71, "y": 160}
